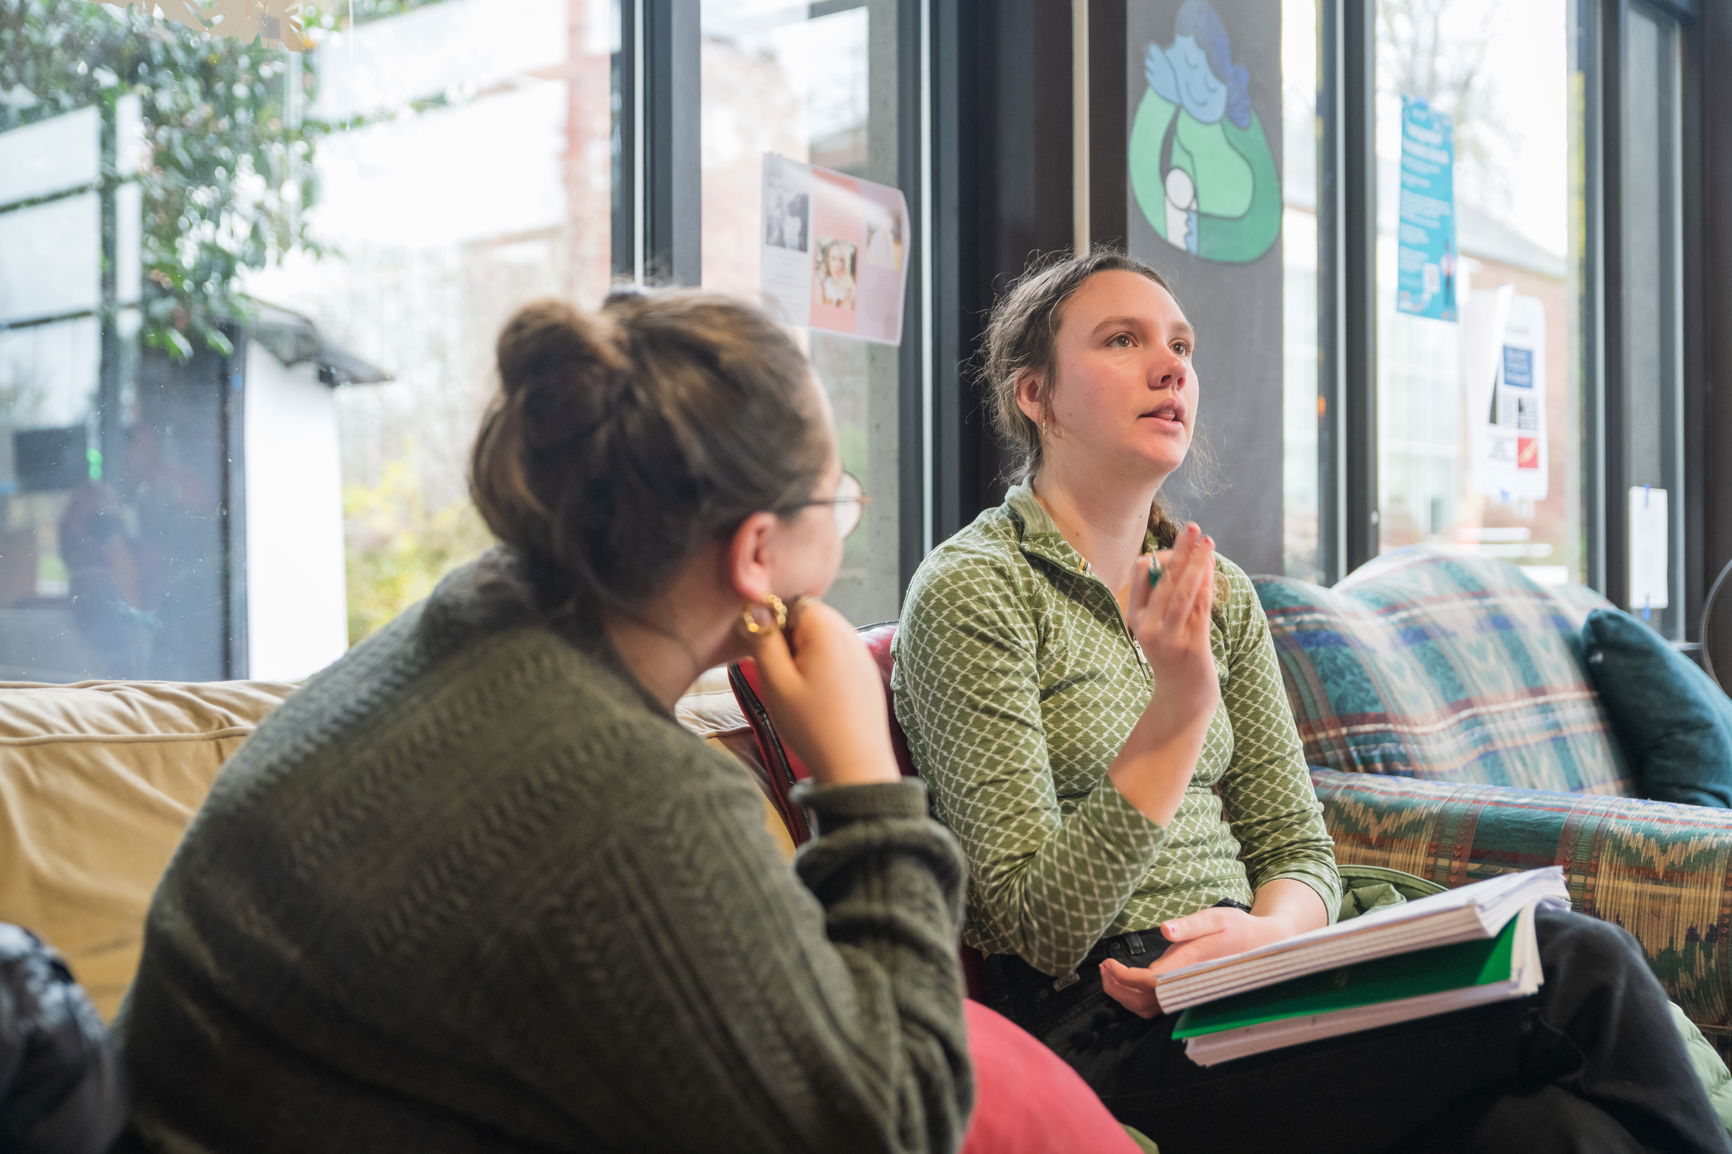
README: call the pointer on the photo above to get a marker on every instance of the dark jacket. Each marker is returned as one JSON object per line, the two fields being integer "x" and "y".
{"x": 60, "y": 1087}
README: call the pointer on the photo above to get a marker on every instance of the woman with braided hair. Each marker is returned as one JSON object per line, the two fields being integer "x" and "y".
{"x": 1092, "y": 695}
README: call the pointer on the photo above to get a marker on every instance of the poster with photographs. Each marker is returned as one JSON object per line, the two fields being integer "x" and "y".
{"x": 834, "y": 251}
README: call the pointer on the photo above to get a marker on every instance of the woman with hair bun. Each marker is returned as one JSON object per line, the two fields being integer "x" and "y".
{"x": 473, "y": 888}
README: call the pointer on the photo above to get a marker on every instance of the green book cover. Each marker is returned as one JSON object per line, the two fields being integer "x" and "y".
{"x": 1441, "y": 968}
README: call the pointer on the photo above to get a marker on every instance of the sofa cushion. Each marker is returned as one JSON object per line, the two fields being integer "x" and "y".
{"x": 1675, "y": 724}
{"x": 97, "y": 784}
{"x": 1442, "y": 665}
{"x": 1659, "y": 869}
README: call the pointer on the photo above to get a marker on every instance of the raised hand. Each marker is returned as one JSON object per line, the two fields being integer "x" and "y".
{"x": 1171, "y": 622}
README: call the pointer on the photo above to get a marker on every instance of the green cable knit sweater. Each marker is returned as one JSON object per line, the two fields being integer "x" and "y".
{"x": 472, "y": 889}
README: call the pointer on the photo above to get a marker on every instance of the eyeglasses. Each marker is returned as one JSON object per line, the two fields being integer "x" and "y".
{"x": 848, "y": 504}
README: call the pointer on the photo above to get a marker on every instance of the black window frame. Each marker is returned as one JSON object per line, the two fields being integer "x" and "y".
{"x": 1002, "y": 178}
{"x": 658, "y": 199}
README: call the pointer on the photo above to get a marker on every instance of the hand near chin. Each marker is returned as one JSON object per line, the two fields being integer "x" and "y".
{"x": 826, "y": 695}
{"x": 1212, "y": 933}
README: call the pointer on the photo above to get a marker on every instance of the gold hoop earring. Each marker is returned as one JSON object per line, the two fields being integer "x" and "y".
{"x": 750, "y": 625}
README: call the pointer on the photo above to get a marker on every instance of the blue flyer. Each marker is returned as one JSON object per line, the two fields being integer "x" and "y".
{"x": 1427, "y": 261}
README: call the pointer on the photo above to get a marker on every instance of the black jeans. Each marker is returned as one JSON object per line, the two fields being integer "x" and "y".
{"x": 1590, "y": 1063}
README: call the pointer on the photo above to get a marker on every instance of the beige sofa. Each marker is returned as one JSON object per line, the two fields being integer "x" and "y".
{"x": 98, "y": 782}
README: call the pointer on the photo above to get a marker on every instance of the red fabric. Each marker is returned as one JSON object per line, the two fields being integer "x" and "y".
{"x": 748, "y": 690}
{"x": 1027, "y": 1101}
{"x": 779, "y": 768}
{"x": 782, "y": 767}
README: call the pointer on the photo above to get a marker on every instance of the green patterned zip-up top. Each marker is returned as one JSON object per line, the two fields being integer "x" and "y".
{"x": 1017, "y": 683}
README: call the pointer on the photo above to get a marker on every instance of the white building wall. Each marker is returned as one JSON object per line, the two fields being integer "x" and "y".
{"x": 297, "y": 614}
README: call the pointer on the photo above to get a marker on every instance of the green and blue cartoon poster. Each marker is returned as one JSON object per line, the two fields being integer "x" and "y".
{"x": 1204, "y": 205}
{"x": 1200, "y": 165}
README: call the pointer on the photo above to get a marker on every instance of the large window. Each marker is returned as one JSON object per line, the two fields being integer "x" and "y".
{"x": 248, "y": 295}
{"x": 814, "y": 85}
{"x": 248, "y": 298}
{"x": 469, "y": 172}
{"x": 1480, "y": 384}
{"x": 1487, "y": 270}
{"x": 1647, "y": 443}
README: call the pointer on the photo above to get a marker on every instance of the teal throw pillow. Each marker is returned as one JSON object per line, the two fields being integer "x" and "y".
{"x": 1674, "y": 722}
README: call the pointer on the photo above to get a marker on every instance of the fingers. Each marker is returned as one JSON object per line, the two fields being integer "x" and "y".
{"x": 775, "y": 659}
{"x": 1131, "y": 988}
{"x": 1205, "y": 602}
{"x": 814, "y": 628}
{"x": 1191, "y": 579}
{"x": 1131, "y": 977}
{"x": 781, "y": 653}
{"x": 1170, "y": 564}
{"x": 1197, "y": 925}
{"x": 1176, "y": 958}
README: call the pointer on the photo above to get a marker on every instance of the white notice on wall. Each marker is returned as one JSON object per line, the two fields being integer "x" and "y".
{"x": 1504, "y": 375}
{"x": 1649, "y": 549}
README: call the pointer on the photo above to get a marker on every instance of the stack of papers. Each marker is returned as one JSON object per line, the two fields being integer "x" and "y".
{"x": 1462, "y": 948}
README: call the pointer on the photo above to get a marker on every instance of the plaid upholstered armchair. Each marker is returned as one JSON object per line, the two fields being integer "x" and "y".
{"x": 1455, "y": 733}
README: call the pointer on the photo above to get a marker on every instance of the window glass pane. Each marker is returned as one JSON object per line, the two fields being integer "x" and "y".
{"x": 52, "y": 257}
{"x": 50, "y": 155}
{"x": 48, "y": 379}
{"x": 113, "y": 508}
{"x": 820, "y": 90}
{"x": 1649, "y": 424}
{"x": 48, "y": 373}
{"x": 1479, "y": 341}
{"x": 323, "y": 251}
{"x": 1302, "y": 465}
{"x": 428, "y": 261}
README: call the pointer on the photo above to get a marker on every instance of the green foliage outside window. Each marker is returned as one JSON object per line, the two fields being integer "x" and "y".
{"x": 228, "y": 171}
{"x": 226, "y": 179}
{"x": 399, "y": 546}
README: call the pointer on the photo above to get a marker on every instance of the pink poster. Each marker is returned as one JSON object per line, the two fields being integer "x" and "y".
{"x": 835, "y": 251}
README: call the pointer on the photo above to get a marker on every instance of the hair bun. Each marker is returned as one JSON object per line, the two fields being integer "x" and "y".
{"x": 552, "y": 355}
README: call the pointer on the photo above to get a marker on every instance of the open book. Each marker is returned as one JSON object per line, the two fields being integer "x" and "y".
{"x": 1465, "y": 947}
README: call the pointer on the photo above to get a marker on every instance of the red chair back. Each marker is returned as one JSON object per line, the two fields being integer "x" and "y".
{"x": 784, "y": 767}
{"x": 783, "y": 764}
{"x": 780, "y": 767}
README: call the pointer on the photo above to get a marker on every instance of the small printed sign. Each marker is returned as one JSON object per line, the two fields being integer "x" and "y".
{"x": 1503, "y": 361}
{"x": 1650, "y": 556}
